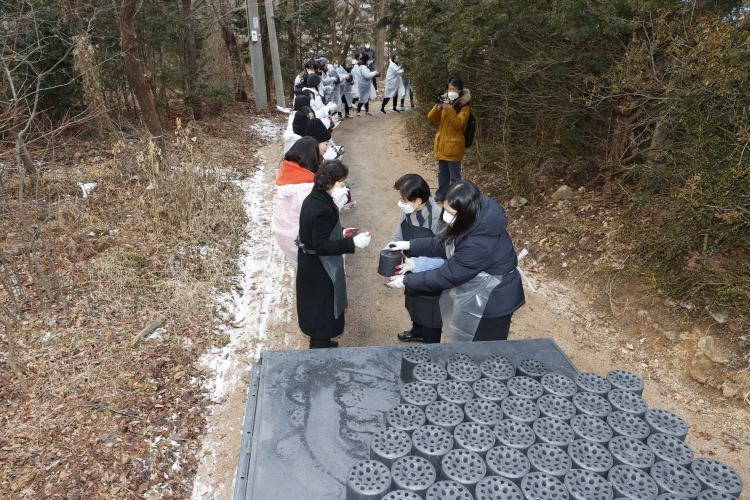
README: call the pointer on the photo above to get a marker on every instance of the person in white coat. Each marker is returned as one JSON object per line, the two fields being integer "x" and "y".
{"x": 392, "y": 84}
{"x": 365, "y": 74}
{"x": 293, "y": 183}
{"x": 348, "y": 85}
{"x": 338, "y": 84}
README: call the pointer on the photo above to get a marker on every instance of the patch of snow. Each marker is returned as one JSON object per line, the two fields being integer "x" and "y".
{"x": 267, "y": 129}
{"x": 86, "y": 187}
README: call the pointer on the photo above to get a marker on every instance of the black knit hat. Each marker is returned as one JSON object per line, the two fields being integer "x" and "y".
{"x": 301, "y": 101}
{"x": 313, "y": 80}
{"x": 318, "y": 131}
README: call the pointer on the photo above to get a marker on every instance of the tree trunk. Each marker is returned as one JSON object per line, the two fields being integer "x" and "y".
{"x": 191, "y": 59}
{"x": 84, "y": 61}
{"x": 344, "y": 49}
{"x": 332, "y": 26}
{"x": 136, "y": 77}
{"x": 238, "y": 70}
{"x": 350, "y": 36}
{"x": 382, "y": 62}
{"x": 624, "y": 117}
{"x": 291, "y": 33}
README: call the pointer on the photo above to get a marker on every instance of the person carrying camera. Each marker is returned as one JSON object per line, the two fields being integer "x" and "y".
{"x": 452, "y": 112}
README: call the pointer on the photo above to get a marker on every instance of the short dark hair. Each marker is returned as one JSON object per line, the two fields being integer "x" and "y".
{"x": 329, "y": 173}
{"x": 455, "y": 81}
{"x": 464, "y": 197}
{"x": 305, "y": 153}
{"x": 311, "y": 64}
{"x": 412, "y": 186}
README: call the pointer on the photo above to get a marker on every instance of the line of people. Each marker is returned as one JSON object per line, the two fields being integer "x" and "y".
{"x": 353, "y": 83}
{"x": 460, "y": 271}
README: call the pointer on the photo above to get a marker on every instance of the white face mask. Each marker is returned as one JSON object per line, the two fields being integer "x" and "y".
{"x": 367, "y": 47}
{"x": 405, "y": 207}
{"x": 452, "y": 96}
{"x": 448, "y": 218}
{"x": 339, "y": 196}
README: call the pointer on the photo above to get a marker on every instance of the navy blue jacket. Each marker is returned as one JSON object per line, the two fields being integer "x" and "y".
{"x": 485, "y": 246}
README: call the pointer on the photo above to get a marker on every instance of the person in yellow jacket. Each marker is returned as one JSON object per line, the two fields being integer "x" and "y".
{"x": 452, "y": 113}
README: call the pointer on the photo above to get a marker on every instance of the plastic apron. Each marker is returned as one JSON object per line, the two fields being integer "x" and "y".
{"x": 424, "y": 307}
{"x": 462, "y": 307}
{"x": 334, "y": 266}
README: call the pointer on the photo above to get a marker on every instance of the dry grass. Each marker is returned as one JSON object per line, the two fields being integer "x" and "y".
{"x": 102, "y": 419}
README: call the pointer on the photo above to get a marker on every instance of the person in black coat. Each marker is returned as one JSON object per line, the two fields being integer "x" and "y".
{"x": 322, "y": 242}
{"x": 478, "y": 249}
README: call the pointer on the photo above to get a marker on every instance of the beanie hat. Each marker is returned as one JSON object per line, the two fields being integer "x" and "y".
{"x": 349, "y": 60}
{"x": 301, "y": 101}
{"x": 313, "y": 80}
{"x": 318, "y": 131}
{"x": 299, "y": 123}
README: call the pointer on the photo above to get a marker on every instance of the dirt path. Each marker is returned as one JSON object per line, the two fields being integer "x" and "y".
{"x": 567, "y": 312}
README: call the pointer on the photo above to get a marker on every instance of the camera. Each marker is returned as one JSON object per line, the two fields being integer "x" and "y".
{"x": 440, "y": 99}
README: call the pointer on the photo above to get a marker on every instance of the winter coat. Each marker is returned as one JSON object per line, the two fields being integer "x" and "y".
{"x": 347, "y": 89}
{"x": 315, "y": 299}
{"x": 449, "y": 140}
{"x": 393, "y": 80}
{"x": 338, "y": 88}
{"x": 293, "y": 184}
{"x": 364, "y": 81}
{"x": 370, "y": 53}
{"x": 485, "y": 246}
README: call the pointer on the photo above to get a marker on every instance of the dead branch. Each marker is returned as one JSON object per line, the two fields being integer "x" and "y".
{"x": 149, "y": 329}
{"x": 12, "y": 353}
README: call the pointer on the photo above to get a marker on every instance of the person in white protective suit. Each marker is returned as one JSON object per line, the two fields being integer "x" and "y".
{"x": 298, "y": 121}
{"x": 480, "y": 280}
{"x": 293, "y": 183}
{"x": 392, "y": 84}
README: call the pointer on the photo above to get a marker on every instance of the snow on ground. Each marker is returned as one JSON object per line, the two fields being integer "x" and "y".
{"x": 266, "y": 129}
{"x": 259, "y": 300}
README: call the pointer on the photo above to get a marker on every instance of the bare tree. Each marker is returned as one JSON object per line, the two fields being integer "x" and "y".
{"x": 222, "y": 12}
{"x": 137, "y": 79}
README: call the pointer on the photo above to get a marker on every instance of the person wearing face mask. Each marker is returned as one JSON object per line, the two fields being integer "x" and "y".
{"x": 480, "y": 281}
{"x": 452, "y": 114}
{"x": 392, "y": 84}
{"x": 338, "y": 85}
{"x": 370, "y": 52}
{"x": 294, "y": 182}
{"x": 322, "y": 242}
{"x": 348, "y": 86}
{"x": 365, "y": 75}
{"x": 419, "y": 218}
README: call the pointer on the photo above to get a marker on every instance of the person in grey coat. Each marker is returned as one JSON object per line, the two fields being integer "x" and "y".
{"x": 419, "y": 218}
{"x": 479, "y": 252}
{"x": 365, "y": 75}
{"x": 348, "y": 89}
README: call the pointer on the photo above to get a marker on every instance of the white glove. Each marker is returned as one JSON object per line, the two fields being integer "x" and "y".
{"x": 397, "y": 246}
{"x": 362, "y": 239}
{"x": 395, "y": 282}
{"x": 407, "y": 266}
{"x": 332, "y": 107}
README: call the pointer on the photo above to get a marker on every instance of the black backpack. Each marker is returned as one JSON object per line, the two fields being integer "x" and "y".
{"x": 471, "y": 127}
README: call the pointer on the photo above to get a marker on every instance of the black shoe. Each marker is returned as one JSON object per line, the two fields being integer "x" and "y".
{"x": 396, "y": 111}
{"x": 382, "y": 111}
{"x": 407, "y": 336}
{"x": 333, "y": 344}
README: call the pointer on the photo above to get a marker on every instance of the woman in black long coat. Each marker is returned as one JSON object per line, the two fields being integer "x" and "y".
{"x": 321, "y": 284}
